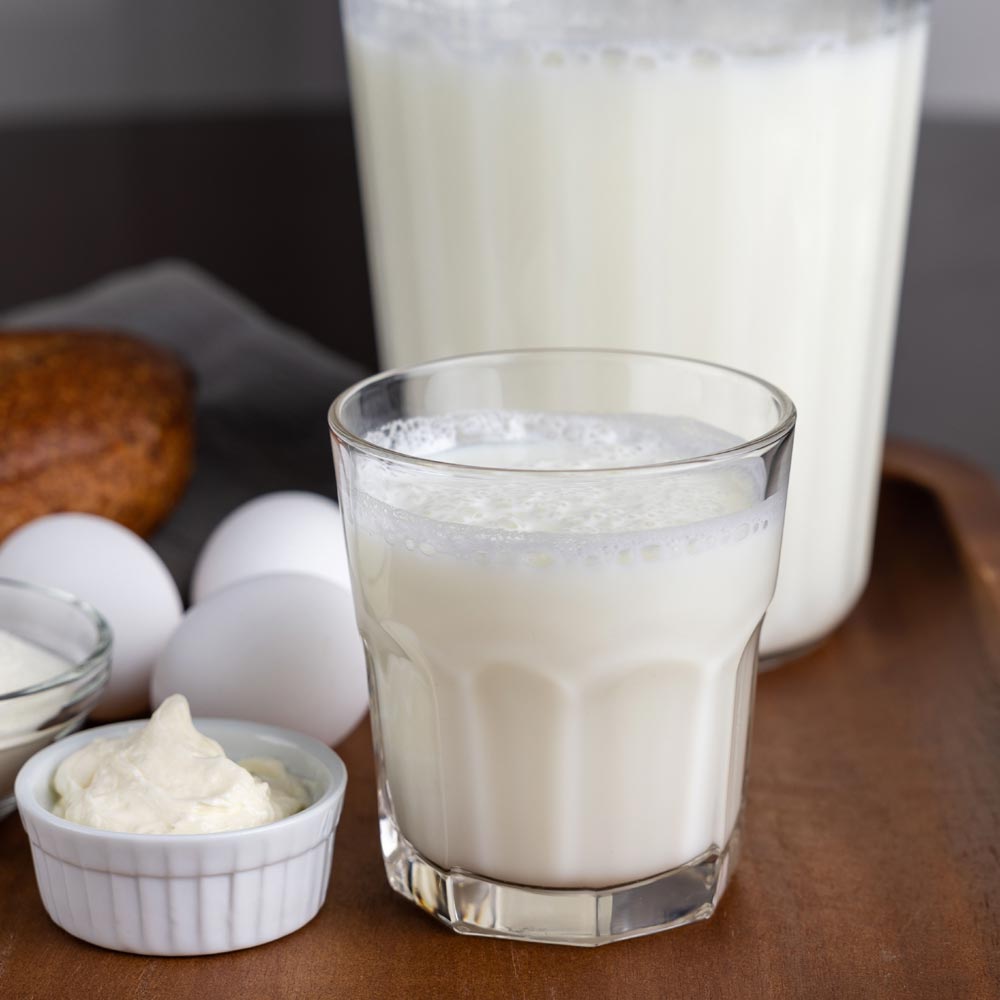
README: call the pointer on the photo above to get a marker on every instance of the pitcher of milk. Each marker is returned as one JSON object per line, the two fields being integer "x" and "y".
{"x": 724, "y": 179}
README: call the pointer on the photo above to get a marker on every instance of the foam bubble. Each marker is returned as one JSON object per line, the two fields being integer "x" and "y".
{"x": 611, "y": 517}
{"x": 525, "y": 33}
{"x": 517, "y": 439}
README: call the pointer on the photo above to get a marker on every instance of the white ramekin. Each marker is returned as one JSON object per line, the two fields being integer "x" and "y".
{"x": 187, "y": 894}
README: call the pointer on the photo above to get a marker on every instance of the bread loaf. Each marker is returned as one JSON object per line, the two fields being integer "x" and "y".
{"x": 92, "y": 421}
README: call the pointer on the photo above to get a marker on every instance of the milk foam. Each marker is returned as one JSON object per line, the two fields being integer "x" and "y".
{"x": 552, "y": 440}
{"x": 615, "y": 515}
{"x": 514, "y": 32}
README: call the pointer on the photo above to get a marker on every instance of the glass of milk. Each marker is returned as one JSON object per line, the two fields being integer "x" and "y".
{"x": 723, "y": 179}
{"x": 560, "y": 563}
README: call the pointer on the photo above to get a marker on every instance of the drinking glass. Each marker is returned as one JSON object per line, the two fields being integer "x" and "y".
{"x": 560, "y": 563}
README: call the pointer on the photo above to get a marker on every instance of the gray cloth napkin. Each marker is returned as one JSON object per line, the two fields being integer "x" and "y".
{"x": 263, "y": 389}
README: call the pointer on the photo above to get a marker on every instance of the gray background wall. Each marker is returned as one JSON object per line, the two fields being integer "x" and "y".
{"x": 118, "y": 57}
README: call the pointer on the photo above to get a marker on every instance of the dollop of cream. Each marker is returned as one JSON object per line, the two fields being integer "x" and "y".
{"x": 169, "y": 778}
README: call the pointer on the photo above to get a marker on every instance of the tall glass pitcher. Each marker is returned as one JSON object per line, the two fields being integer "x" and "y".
{"x": 724, "y": 179}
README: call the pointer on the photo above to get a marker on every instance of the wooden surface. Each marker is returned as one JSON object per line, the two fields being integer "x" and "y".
{"x": 871, "y": 866}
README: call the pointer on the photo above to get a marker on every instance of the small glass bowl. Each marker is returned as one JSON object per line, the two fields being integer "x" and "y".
{"x": 33, "y": 717}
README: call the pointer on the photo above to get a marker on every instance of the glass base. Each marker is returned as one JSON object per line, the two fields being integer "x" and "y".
{"x": 471, "y": 904}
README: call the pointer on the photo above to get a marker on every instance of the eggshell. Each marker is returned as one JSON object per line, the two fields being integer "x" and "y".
{"x": 116, "y": 571}
{"x": 281, "y": 649}
{"x": 286, "y": 532}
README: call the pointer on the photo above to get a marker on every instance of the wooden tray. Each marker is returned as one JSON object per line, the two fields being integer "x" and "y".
{"x": 871, "y": 866}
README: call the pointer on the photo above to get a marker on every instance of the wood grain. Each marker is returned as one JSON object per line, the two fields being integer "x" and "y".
{"x": 871, "y": 866}
{"x": 968, "y": 498}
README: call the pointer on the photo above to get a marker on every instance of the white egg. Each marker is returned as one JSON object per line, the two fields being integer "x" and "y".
{"x": 286, "y": 532}
{"x": 116, "y": 571}
{"x": 282, "y": 649}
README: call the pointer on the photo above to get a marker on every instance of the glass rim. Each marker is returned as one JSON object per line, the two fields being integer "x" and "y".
{"x": 82, "y": 668}
{"x": 782, "y": 427}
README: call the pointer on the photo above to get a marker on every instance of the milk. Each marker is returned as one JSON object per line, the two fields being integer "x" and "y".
{"x": 742, "y": 202}
{"x": 562, "y": 670}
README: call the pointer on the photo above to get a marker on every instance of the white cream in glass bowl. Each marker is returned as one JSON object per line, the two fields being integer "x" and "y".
{"x": 55, "y": 655}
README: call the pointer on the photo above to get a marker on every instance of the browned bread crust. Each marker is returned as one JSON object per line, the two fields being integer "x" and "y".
{"x": 98, "y": 422}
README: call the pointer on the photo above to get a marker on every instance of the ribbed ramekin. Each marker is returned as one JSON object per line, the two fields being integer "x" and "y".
{"x": 187, "y": 894}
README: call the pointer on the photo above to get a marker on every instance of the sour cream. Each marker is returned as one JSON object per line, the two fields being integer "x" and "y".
{"x": 168, "y": 778}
